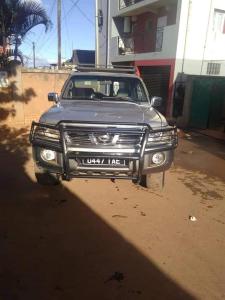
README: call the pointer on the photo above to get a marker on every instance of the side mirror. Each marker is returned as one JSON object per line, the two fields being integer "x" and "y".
{"x": 156, "y": 101}
{"x": 53, "y": 97}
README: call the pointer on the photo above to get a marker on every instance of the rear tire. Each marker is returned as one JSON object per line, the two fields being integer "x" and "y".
{"x": 46, "y": 178}
{"x": 153, "y": 181}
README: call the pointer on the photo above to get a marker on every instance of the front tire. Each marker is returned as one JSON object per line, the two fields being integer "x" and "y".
{"x": 46, "y": 178}
{"x": 153, "y": 181}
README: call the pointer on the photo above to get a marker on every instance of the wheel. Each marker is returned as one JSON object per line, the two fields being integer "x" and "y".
{"x": 153, "y": 181}
{"x": 46, "y": 178}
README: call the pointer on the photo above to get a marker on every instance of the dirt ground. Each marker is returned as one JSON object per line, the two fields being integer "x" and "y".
{"x": 90, "y": 239}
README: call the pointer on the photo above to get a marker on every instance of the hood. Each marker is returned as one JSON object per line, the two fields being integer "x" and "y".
{"x": 102, "y": 111}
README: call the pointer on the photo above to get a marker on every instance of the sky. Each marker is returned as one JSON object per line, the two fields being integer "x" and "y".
{"x": 78, "y": 31}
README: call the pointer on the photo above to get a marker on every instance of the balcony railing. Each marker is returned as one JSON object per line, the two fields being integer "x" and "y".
{"x": 126, "y": 3}
{"x": 126, "y": 45}
{"x": 135, "y": 45}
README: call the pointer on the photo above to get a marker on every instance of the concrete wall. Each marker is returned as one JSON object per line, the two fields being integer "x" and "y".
{"x": 25, "y": 99}
{"x": 198, "y": 42}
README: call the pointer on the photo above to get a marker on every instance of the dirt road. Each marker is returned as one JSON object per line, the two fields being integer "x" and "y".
{"x": 92, "y": 239}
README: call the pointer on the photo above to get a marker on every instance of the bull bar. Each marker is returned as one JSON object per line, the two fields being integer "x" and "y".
{"x": 62, "y": 148}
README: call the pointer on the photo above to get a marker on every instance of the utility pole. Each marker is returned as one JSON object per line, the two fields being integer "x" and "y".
{"x": 107, "y": 33}
{"x": 34, "y": 55}
{"x": 96, "y": 34}
{"x": 59, "y": 32}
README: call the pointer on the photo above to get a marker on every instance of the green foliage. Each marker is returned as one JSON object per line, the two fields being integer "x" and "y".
{"x": 17, "y": 17}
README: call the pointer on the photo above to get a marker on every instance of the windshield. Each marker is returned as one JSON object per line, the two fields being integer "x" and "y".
{"x": 110, "y": 88}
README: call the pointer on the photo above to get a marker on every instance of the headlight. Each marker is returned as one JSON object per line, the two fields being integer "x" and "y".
{"x": 158, "y": 158}
{"x": 48, "y": 155}
{"x": 47, "y": 134}
{"x": 154, "y": 136}
{"x": 162, "y": 137}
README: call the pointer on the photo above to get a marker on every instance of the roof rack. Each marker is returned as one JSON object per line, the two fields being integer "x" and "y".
{"x": 109, "y": 68}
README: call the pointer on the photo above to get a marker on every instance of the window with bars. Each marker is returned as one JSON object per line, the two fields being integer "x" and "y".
{"x": 219, "y": 21}
{"x": 213, "y": 68}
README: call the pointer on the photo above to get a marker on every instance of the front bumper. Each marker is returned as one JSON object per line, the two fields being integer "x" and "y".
{"x": 139, "y": 158}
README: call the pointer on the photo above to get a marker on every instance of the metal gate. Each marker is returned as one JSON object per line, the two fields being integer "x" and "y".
{"x": 208, "y": 100}
{"x": 156, "y": 79}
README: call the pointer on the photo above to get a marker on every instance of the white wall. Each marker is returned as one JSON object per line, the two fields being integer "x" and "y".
{"x": 191, "y": 41}
{"x": 202, "y": 44}
{"x": 215, "y": 44}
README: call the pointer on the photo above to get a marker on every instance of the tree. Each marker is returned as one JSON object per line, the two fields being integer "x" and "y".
{"x": 17, "y": 17}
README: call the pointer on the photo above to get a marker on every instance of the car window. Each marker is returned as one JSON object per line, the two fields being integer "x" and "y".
{"x": 106, "y": 88}
{"x": 141, "y": 95}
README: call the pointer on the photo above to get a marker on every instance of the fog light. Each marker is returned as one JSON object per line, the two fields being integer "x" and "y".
{"x": 158, "y": 158}
{"x": 48, "y": 155}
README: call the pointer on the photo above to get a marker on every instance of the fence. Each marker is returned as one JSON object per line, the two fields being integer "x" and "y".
{"x": 25, "y": 97}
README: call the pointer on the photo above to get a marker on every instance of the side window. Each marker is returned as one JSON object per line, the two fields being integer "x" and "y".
{"x": 68, "y": 91}
{"x": 141, "y": 95}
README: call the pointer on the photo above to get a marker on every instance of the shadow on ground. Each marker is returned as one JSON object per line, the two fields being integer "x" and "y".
{"x": 199, "y": 164}
{"x": 202, "y": 154}
{"x": 52, "y": 246}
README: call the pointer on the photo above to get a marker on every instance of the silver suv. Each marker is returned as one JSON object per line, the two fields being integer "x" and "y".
{"x": 103, "y": 125}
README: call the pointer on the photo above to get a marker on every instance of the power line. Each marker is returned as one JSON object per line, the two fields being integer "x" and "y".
{"x": 50, "y": 15}
{"x": 85, "y": 16}
{"x": 83, "y": 13}
{"x": 64, "y": 22}
{"x": 47, "y": 40}
{"x": 90, "y": 21}
{"x": 55, "y": 29}
{"x": 71, "y": 8}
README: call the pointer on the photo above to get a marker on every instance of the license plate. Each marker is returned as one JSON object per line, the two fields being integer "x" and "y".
{"x": 110, "y": 162}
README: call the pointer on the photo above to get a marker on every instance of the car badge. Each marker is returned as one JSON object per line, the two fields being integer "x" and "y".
{"x": 105, "y": 139}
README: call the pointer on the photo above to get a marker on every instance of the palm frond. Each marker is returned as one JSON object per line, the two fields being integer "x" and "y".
{"x": 29, "y": 15}
{"x": 18, "y": 17}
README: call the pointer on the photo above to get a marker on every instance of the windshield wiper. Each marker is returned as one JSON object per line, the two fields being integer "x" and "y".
{"x": 126, "y": 99}
{"x": 119, "y": 99}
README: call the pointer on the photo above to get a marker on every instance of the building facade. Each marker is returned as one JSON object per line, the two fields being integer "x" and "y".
{"x": 165, "y": 39}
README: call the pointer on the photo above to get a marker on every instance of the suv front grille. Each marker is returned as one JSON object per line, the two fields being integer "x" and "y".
{"x": 115, "y": 137}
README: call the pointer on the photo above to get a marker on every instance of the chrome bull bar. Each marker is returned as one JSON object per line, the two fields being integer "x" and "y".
{"x": 62, "y": 146}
